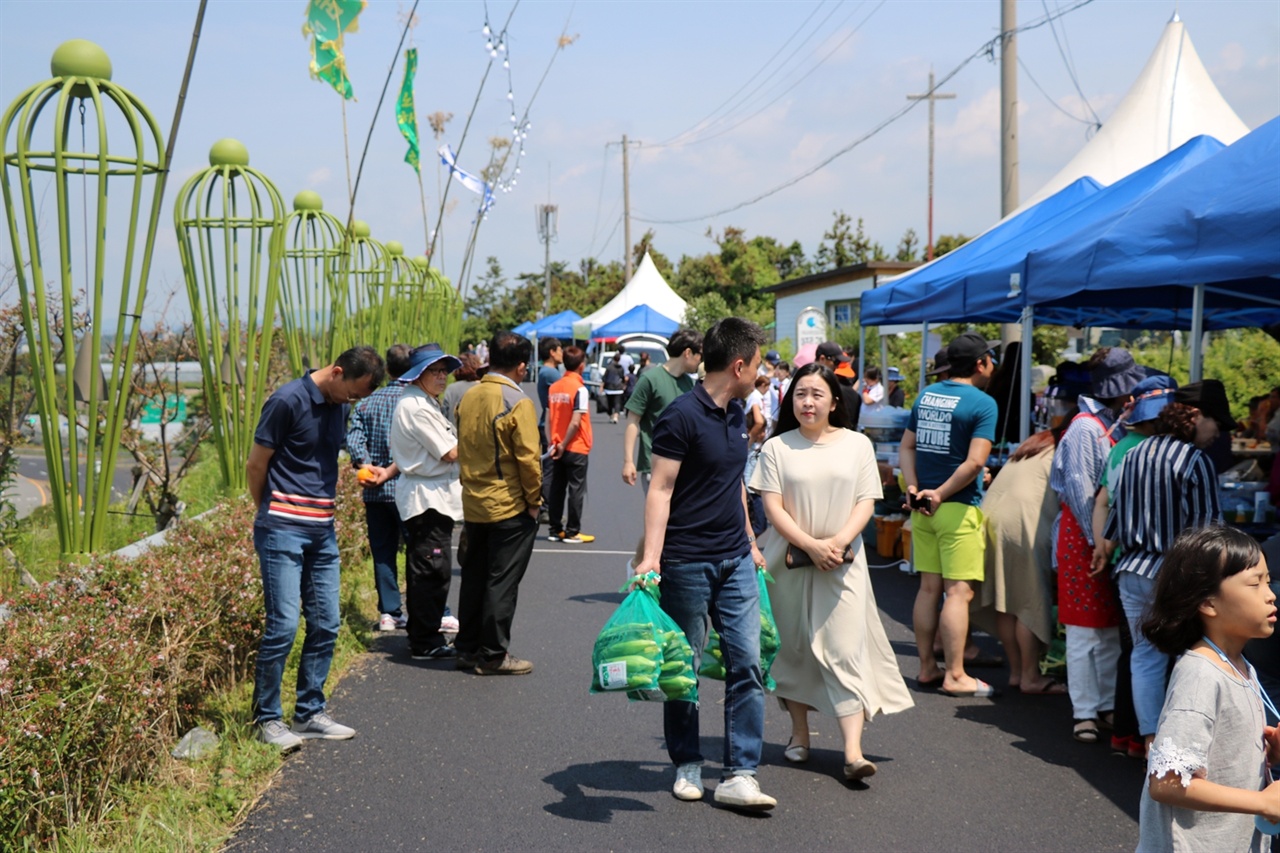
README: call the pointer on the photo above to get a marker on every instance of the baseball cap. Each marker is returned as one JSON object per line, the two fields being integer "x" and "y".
{"x": 772, "y": 356}
{"x": 1210, "y": 398}
{"x": 969, "y": 346}
{"x": 426, "y": 355}
{"x": 831, "y": 350}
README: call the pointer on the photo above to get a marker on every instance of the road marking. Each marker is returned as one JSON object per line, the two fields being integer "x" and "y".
{"x": 44, "y": 496}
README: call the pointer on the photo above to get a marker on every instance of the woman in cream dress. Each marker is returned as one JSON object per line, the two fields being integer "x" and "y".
{"x": 820, "y": 482}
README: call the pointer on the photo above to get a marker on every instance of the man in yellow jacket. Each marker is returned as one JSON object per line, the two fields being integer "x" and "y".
{"x": 498, "y": 454}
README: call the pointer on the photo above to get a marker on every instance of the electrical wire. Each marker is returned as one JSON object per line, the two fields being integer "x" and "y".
{"x": 802, "y": 78}
{"x": 1071, "y": 71}
{"x": 595, "y": 226}
{"x": 1050, "y": 99}
{"x": 987, "y": 49}
{"x": 700, "y": 124}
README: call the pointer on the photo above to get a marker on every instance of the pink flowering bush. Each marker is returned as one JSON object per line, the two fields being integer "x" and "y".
{"x": 102, "y": 670}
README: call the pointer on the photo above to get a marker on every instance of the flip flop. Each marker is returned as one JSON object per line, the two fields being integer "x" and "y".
{"x": 1053, "y": 688}
{"x": 982, "y": 691}
{"x": 1085, "y": 731}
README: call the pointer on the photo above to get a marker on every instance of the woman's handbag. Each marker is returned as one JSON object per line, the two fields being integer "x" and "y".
{"x": 798, "y": 558}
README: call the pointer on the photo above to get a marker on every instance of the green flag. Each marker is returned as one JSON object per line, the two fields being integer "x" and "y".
{"x": 406, "y": 115}
{"x": 328, "y": 21}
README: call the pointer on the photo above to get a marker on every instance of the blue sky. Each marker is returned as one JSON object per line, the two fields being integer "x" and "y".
{"x": 651, "y": 70}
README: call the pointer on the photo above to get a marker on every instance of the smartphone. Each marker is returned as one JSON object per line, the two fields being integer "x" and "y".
{"x": 918, "y": 502}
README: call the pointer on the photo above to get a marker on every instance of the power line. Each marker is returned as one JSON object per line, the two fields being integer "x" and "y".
{"x": 802, "y": 78}
{"x": 1071, "y": 71}
{"x": 699, "y": 124}
{"x": 1050, "y": 99}
{"x": 987, "y": 49}
{"x": 595, "y": 226}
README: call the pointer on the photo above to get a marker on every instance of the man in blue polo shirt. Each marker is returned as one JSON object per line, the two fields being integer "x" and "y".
{"x": 293, "y": 479}
{"x": 698, "y": 535}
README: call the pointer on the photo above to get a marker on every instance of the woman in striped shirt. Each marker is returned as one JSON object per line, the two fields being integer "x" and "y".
{"x": 1167, "y": 485}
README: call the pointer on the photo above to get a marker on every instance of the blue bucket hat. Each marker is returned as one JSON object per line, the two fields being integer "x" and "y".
{"x": 1150, "y": 396}
{"x": 426, "y": 355}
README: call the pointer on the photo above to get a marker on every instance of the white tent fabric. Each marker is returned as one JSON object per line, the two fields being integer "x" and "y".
{"x": 1172, "y": 101}
{"x": 647, "y": 287}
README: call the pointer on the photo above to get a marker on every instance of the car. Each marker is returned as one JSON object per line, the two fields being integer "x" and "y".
{"x": 654, "y": 345}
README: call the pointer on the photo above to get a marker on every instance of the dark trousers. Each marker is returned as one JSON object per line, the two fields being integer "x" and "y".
{"x": 568, "y": 480}
{"x": 546, "y": 466}
{"x": 428, "y": 570}
{"x": 497, "y": 556}
{"x": 385, "y": 529}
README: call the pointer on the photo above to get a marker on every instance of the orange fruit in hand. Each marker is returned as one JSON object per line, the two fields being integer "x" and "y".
{"x": 366, "y": 475}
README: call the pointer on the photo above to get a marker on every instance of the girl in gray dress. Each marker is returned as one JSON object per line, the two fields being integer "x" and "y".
{"x": 1207, "y": 769}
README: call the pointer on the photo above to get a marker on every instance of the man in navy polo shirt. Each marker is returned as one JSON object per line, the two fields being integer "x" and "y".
{"x": 698, "y": 535}
{"x": 293, "y": 478}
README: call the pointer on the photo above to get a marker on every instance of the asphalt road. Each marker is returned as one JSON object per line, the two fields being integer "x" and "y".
{"x": 31, "y": 486}
{"x": 446, "y": 760}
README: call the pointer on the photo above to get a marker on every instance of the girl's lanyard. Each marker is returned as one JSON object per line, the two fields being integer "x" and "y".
{"x": 1251, "y": 678}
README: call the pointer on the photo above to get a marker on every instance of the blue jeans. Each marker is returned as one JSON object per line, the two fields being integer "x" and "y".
{"x": 299, "y": 572}
{"x": 1148, "y": 664}
{"x": 385, "y": 532}
{"x": 728, "y": 592}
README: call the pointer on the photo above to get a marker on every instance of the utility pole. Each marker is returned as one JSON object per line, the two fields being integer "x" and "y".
{"x": 626, "y": 210}
{"x": 547, "y": 215}
{"x": 930, "y": 96}
{"x": 1009, "y": 332}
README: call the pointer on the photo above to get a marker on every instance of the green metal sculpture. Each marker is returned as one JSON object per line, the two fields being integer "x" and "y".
{"x": 116, "y": 235}
{"x": 230, "y": 223}
{"x": 311, "y": 305}
{"x": 442, "y": 308}
{"x": 362, "y": 283}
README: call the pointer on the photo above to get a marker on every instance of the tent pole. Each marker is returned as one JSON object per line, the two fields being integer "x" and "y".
{"x": 1197, "y": 333}
{"x": 1024, "y": 394}
{"x": 884, "y": 359}
{"x": 862, "y": 347}
{"x": 924, "y": 356}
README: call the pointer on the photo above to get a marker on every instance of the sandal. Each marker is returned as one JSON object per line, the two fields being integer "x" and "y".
{"x": 1085, "y": 731}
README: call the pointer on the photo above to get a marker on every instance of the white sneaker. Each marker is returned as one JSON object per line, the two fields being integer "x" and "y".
{"x": 402, "y": 622}
{"x": 449, "y": 625}
{"x": 276, "y": 733}
{"x": 321, "y": 725}
{"x": 688, "y": 784}
{"x": 743, "y": 792}
{"x": 386, "y": 622}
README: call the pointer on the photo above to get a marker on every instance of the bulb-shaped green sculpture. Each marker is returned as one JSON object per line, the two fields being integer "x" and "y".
{"x": 46, "y": 124}
{"x": 230, "y": 224}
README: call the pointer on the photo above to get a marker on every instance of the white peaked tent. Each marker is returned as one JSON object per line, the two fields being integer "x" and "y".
{"x": 1172, "y": 101}
{"x": 647, "y": 287}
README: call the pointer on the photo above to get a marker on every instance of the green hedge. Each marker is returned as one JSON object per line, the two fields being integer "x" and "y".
{"x": 102, "y": 669}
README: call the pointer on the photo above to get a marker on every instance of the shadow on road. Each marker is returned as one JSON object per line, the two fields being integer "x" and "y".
{"x": 597, "y": 598}
{"x": 1045, "y": 733}
{"x": 576, "y": 781}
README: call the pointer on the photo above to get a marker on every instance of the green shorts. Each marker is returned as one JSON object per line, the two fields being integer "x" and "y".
{"x": 950, "y": 542}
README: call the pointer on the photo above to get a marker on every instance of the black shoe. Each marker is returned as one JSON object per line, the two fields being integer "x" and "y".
{"x": 465, "y": 662}
{"x": 438, "y": 653}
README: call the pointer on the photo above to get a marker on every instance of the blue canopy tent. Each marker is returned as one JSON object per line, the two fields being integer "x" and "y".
{"x": 525, "y": 328}
{"x": 1204, "y": 246}
{"x": 977, "y": 285}
{"x": 557, "y": 325}
{"x": 640, "y": 319}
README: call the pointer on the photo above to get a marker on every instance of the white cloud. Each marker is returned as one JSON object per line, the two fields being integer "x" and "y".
{"x": 1232, "y": 56}
{"x": 319, "y": 177}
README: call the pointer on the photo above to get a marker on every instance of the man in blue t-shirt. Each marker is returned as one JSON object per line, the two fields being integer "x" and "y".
{"x": 292, "y": 473}
{"x": 551, "y": 354}
{"x": 698, "y": 535}
{"x": 943, "y": 452}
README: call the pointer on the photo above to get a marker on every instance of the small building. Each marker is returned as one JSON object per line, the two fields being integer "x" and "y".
{"x": 834, "y": 292}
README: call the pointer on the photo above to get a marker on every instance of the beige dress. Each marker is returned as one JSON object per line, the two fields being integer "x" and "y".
{"x": 1019, "y": 510}
{"x": 835, "y": 656}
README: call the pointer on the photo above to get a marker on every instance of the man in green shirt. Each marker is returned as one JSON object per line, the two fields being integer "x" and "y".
{"x": 654, "y": 391}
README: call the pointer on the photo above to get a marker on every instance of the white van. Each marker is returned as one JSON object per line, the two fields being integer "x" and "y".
{"x": 654, "y": 345}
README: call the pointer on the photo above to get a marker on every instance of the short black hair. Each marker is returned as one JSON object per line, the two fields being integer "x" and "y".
{"x": 731, "y": 339}
{"x": 963, "y": 368}
{"x": 545, "y": 346}
{"x": 359, "y": 362}
{"x": 398, "y": 360}
{"x": 508, "y": 350}
{"x": 683, "y": 340}
{"x": 871, "y": 373}
{"x": 573, "y": 358}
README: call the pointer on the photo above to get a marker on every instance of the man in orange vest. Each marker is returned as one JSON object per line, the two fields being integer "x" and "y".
{"x": 570, "y": 423}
